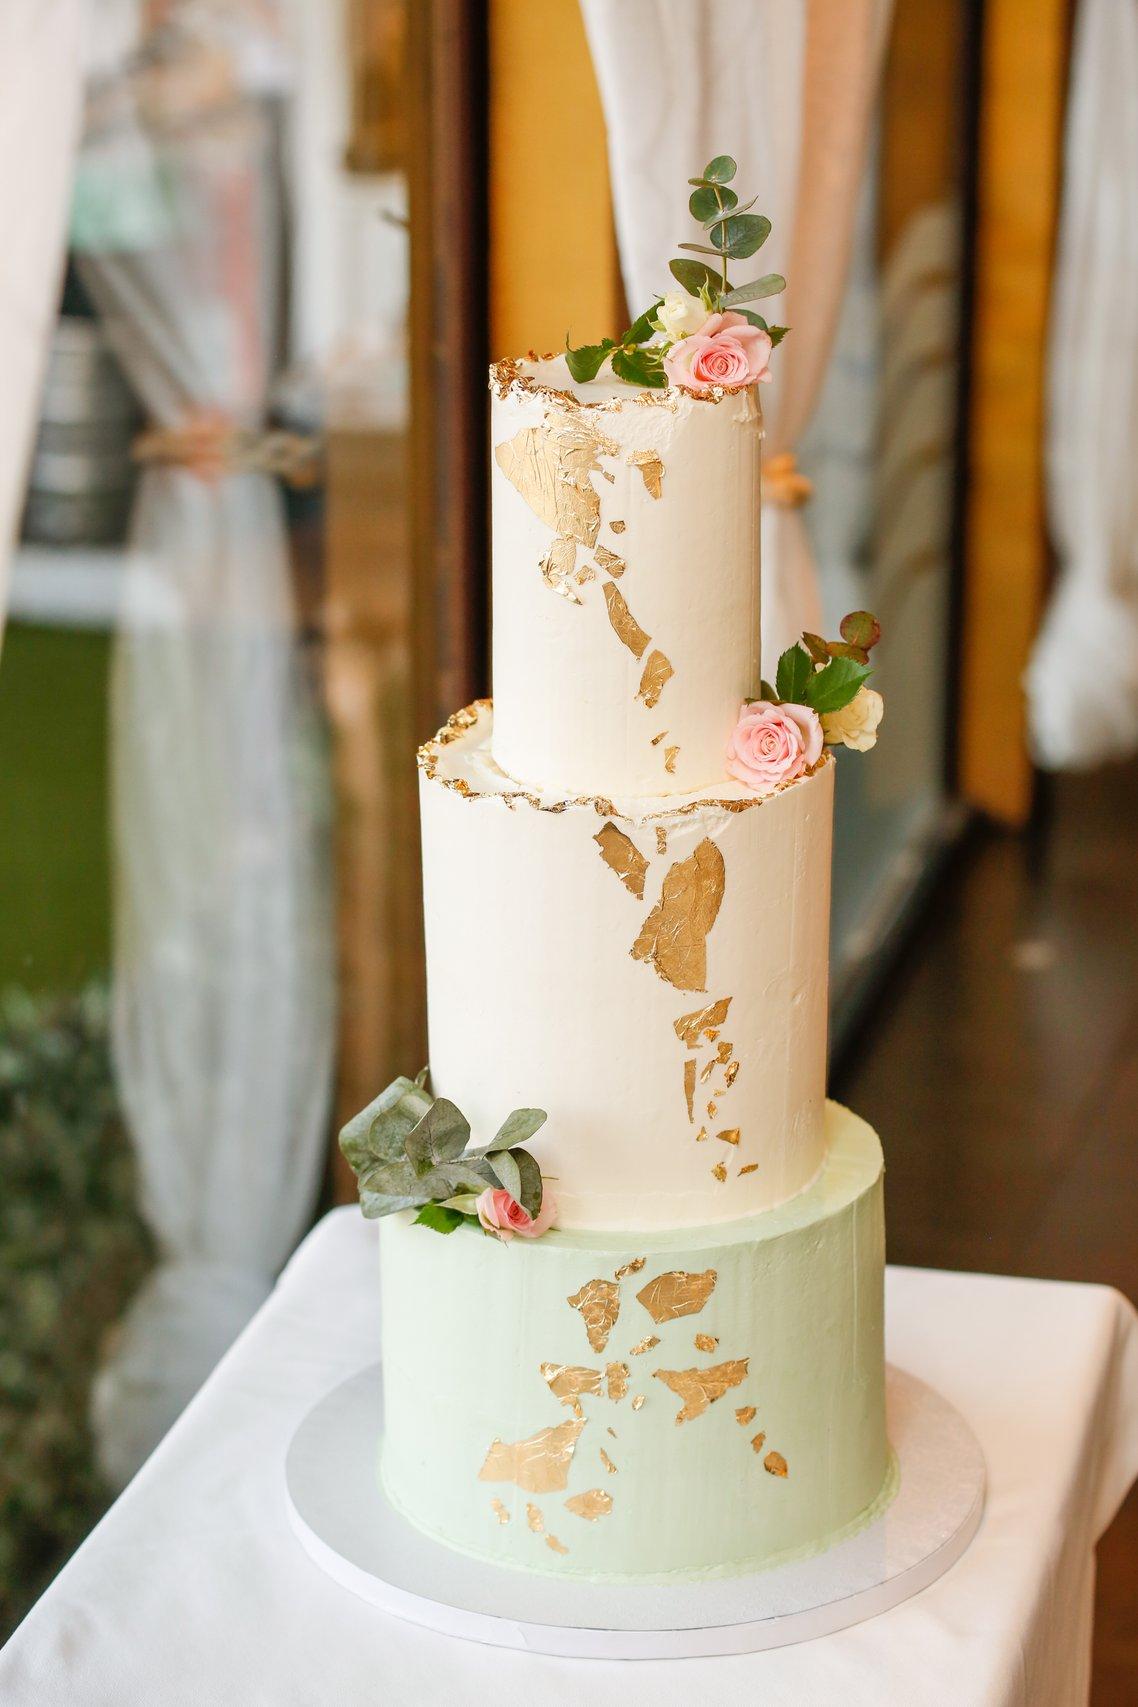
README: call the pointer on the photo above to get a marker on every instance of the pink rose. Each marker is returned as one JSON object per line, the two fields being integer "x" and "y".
{"x": 503, "y": 1215}
{"x": 773, "y": 744}
{"x": 727, "y": 350}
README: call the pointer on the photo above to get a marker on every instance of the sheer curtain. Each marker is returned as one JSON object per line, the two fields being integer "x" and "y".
{"x": 787, "y": 87}
{"x": 1082, "y": 681}
{"x": 223, "y": 970}
{"x": 40, "y": 102}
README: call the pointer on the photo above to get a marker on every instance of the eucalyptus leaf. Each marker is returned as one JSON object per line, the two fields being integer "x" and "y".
{"x": 769, "y": 285}
{"x": 466, "y": 1202}
{"x": 639, "y": 367}
{"x": 795, "y": 668}
{"x": 693, "y": 276}
{"x": 733, "y": 206}
{"x": 721, "y": 170}
{"x": 755, "y": 319}
{"x": 464, "y": 1176}
{"x": 842, "y": 649}
{"x": 585, "y": 363}
{"x": 698, "y": 249}
{"x": 521, "y": 1124}
{"x": 860, "y": 628}
{"x": 441, "y": 1136}
{"x": 818, "y": 648}
{"x": 374, "y": 1204}
{"x": 508, "y": 1172}
{"x": 704, "y": 203}
{"x": 739, "y": 237}
{"x": 378, "y": 1131}
{"x": 421, "y": 1077}
{"x": 440, "y": 1217}
{"x": 531, "y": 1187}
{"x": 833, "y": 687}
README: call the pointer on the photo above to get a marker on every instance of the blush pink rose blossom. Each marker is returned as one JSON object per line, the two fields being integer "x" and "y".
{"x": 727, "y": 350}
{"x": 773, "y": 744}
{"x": 503, "y": 1215}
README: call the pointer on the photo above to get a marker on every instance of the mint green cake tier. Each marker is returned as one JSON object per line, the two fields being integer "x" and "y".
{"x": 637, "y": 1407}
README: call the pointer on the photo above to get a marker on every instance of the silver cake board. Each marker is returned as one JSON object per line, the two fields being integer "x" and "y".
{"x": 346, "y": 1525}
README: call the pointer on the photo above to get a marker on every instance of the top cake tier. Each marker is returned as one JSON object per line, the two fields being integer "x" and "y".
{"x": 625, "y": 579}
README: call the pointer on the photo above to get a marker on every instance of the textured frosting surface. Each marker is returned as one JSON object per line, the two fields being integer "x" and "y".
{"x": 695, "y": 1403}
{"x": 625, "y": 580}
{"x": 651, "y": 971}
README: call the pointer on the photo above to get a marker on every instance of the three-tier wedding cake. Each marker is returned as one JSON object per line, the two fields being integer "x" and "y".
{"x": 627, "y": 885}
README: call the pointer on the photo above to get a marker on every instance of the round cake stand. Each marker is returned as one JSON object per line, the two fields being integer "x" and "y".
{"x": 349, "y": 1529}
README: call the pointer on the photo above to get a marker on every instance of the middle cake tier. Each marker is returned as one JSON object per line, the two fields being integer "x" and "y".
{"x": 651, "y": 972}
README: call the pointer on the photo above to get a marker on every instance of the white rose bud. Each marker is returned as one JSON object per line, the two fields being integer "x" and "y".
{"x": 855, "y": 725}
{"x": 680, "y": 314}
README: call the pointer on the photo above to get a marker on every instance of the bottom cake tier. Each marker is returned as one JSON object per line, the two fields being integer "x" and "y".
{"x": 634, "y": 1407}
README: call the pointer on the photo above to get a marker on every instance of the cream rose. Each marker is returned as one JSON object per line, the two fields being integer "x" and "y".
{"x": 855, "y": 725}
{"x": 773, "y": 744}
{"x": 727, "y": 350}
{"x": 503, "y": 1215}
{"x": 680, "y": 314}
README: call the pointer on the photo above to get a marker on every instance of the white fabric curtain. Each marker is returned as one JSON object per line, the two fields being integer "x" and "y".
{"x": 786, "y": 87}
{"x": 41, "y": 67}
{"x": 223, "y": 1025}
{"x": 1082, "y": 681}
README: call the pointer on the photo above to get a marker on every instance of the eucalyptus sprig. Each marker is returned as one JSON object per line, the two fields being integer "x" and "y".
{"x": 408, "y": 1150}
{"x": 826, "y": 674}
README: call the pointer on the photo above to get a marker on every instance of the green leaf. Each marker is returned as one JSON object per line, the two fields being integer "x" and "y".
{"x": 841, "y": 649}
{"x": 421, "y": 1077}
{"x": 767, "y": 692}
{"x": 769, "y": 285}
{"x": 439, "y": 1217}
{"x": 739, "y": 237}
{"x": 778, "y": 333}
{"x": 861, "y": 628}
{"x": 506, "y": 1171}
{"x": 521, "y": 1124}
{"x": 531, "y": 1187}
{"x": 705, "y": 204}
{"x": 466, "y": 1202}
{"x": 817, "y": 647}
{"x": 829, "y": 689}
{"x": 729, "y": 207}
{"x": 693, "y": 276}
{"x": 642, "y": 328}
{"x": 721, "y": 170}
{"x": 640, "y": 367}
{"x": 794, "y": 671}
{"x": 379, "y": 1130}
{"x": 375, "y": 1204}
{"x": 441, "y": 1136}
{"x": 755, "y": 319}
{"x": 698, "y": 248}
{"x": 585, "y": 363}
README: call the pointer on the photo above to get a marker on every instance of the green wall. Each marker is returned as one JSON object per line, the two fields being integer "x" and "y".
{"x": 54, "y": 879}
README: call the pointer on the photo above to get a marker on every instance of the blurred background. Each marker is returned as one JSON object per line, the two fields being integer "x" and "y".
{"x": 260, "y": 253}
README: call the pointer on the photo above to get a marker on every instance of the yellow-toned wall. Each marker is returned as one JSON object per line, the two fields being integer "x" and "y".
{"x": 553, "y": 265}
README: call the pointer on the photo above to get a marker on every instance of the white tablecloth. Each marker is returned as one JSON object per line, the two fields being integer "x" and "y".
{"x": 193, "y": 1590}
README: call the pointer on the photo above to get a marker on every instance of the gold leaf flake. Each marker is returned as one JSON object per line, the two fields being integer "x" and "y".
{"x": 776, "y": 1464}
{"x": 610, "y": 561}
{"x": 557, "y": 569}
{"x": 621, "y": 855}
{"x": 657, "y": 673}
{"x": 638, "y": 1401}
{"x": 616, "y": 1374}
{"x": 618, "y": 527}
{"x": 585, "y": 575}
{"x": 535, "y": 1519}
{"x": 707, "y": 1072}
{"x": 706, "y": 1342}
{"x": 758, "y": 1441}
{"x": 723, "y": 1053}
{"x": 699, "y": 1388}
{"x": 556, "y": 1545}
{"x": 750, "y": 1168}
{"x": 689, "y": 1085}
{"x": 731, "y": 1074}
{"x": 550, "y": 467}
{"x": 671, "y": 754}
{"x": 673, "y": 937}
{"x": 632, "y": 1267}
{"x": 701, "y": 1135}
{"x": 720, "y": 1172}
{"x": 729, "y": 1135}
{"x": 656, "y": 739}
{"x": 689, "y": 1026}
{"x": 677, "y": 1293}
{"x": 596, "y": 1503}
{"x": 599, "y": 1304}
{"x": 661, "y": 839}
{"x": 611, "y": 1431}
{"x": 499, "y": 1510}
{"x": 645, "y": 1344}
{"x": 711, "y": 1035}
{"x": 607, "y": 1461}
{"x": 652, "y": 469}
{"x": 744, "y": 1415}
{"x": 625, "y": 625}
{"x": 538, "y": 1464}
{"x": 712, "y": 1110}
{"x": 605, "y": 475}
{"x": 567, "y": 1381}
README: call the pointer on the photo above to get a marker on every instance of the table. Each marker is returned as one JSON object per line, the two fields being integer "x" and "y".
{"x": 193, "y": 1592}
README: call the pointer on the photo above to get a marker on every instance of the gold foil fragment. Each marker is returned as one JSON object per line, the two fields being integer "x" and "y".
{"x": 689, "y": 1086}
{"x": 744, "y": 1415}
{"x": 656, "y": 739}
{"x": 689, "y": 1026}
{"x": 618, "y": 527}
{"x": 557, "y": 1546}
{"x": 677, "y": 1293}
{"x": 535, "y": 1519}
{"x": 538, "y": 1464}
{"x": 638, "y": 1401}
{"x": 723, "y": 1053}
{"x": 673, "y": 937}
{"x": 671, "y": 754}
{"x": 751, "y": 1167}
{"x": 625, "y": 626}
{"x": 729, "y": 1135}
{"x": 720, "y": 1172}
{"x": 699, "y": 1388}
{"x": 632, "y": 1267}
{"x": 652, "y": 470}
{"x": 567, "y": 1381}
{"x": 611, "y": 1431}
{"x": 607, "y": 1461}
{"x": 499, "y": 1510}
{"x": 616, "y": 1375}
{"x": 701, "y": 1135}
{"x": 550, "y": 467}
{"x": 596, "y": 1503}
{"x": 557, "y": 569}
{"x": 661, "y": 839}
{"x": 585, "y": 575}
{"x": 776, "y": 1464}
{"x": 706, "y": 1342}
{"x": 758, "y": 1441}
{"x": 657, "y": 673}
{"x": 644, "y": 1345}
{"x": 621, "y": 855}
{"x": 731, "y": 1074}
{"x": 609, "y": 560}
{"x": 707, "y": 1072}
{"x": 599, "y": 1304}
{"x": 712, "y": 1109}
{"x": 605, "y": 475}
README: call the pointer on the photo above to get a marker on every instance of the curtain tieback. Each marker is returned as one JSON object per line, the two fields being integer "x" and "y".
{"x": 783, "y": 486}
{"x": 209, "y": 445}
